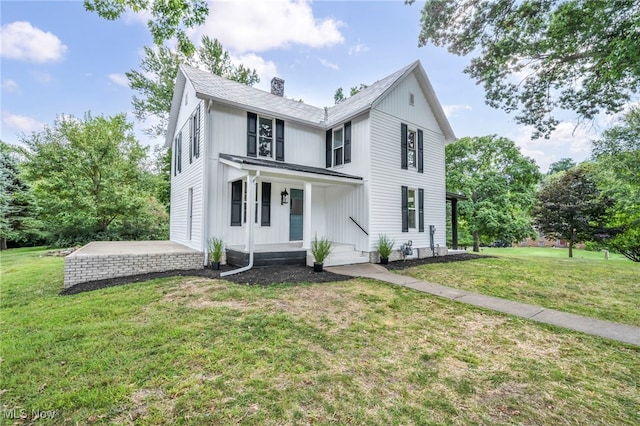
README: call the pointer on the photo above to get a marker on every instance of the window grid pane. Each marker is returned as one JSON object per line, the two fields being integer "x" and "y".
{"x": 265, "y": 148}
{"x": 411, "y": 204}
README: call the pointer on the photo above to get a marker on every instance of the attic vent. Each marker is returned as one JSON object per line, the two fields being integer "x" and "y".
{"x": 411, "y": 99}
{"x": 277, "y": 86}
{"x": 186, "y": 98}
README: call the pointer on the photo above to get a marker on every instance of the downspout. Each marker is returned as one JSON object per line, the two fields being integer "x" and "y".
{"x": 206, "y": 164}
{"x": 250, "y": 222}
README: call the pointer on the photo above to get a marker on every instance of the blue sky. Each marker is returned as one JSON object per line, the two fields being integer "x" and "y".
{"x": 58, "y": 59}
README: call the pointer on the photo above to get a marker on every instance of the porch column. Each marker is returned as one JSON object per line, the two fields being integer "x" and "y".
{"x": 306, "y": 227}
{"x": 454, "y": 224}
{"x": 250, "y": 213}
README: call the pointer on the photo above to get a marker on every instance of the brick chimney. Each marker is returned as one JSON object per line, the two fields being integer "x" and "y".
{"x": 277, "y": 86}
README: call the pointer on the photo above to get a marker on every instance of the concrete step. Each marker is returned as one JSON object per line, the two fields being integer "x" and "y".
{"x": 341, "y": 258}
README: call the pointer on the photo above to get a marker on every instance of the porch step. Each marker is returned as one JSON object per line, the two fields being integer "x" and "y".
{"x": 341, "y": 254}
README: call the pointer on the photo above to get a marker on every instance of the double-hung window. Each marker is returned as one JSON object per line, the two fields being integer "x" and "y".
{"x": 240, "y": 207}
{"x": 411, "y": 207}
{"x": 194, "y": 125}
{"x": 265, "y": 137}
{"x": 177, "y": 153}
{"x": 338, "y": 148}
{"x": 411, "y": 148}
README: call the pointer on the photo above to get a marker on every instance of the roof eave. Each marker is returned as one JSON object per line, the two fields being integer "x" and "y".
{"x": 181, "y": 81}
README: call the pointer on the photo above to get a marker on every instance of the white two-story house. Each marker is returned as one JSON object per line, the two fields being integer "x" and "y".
{"x": 269, "y": 174}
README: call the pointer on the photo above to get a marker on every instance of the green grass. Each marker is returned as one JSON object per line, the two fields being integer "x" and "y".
{"x": 585, "y": 285}
{"x": 200, "y": 351}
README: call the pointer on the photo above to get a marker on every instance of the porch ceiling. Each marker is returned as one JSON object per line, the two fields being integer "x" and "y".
{"x": 289, "y": 171}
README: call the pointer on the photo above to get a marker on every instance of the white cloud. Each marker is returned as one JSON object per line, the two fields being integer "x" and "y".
{"x": 257, "y": 26}
{"x": 358, "y": 48}
{"x": 329, "y": 65}
{"x": 10, "y": 86}
{"x": 119, "y": 79}
{"x": 24, "y": 42}
{"x": 266, "y": 69}
{"x": 141, "y": 17}
{"x": 567, "y": 141}
{"x": 452, "y": 110}
{"x": 20, "y": 123}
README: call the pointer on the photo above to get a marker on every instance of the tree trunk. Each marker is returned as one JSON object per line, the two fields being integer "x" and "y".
{"x": 476, "y": 242}
{"x": 570, "y": 248}
{"x": 3, "y": 243}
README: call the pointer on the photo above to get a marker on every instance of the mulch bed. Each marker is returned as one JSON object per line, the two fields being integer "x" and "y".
{"x": 262, "y": 275}
{"x": 404, "y": 264}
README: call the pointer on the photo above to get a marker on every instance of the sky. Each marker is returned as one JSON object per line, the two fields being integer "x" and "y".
{"x": 59, "y": 60}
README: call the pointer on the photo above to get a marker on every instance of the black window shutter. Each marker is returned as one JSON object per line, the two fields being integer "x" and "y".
{"x": 266, "y": 204}
{"x": 252, "y": 135}
{"x": 405, "y": 209}
{"x": 191, "y": 132}
{"x": 236, "y": 203}
{"x": 175, "y": 156}
{"x": 180, "y": 152}
{"x": 347, "y": 143}
{"x": 403, "y": 146}
{"x": 196, "y": 136}
{"x": 421, "y": 210}
{"x": 420, "y": 151}
{"x": 279, "y": 140}
{"x": 329, "y": 149}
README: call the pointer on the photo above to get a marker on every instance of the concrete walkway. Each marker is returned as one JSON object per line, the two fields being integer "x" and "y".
{"x": 610, "y": 330}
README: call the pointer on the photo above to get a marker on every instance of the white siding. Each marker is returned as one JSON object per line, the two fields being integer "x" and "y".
{"x": 191, "y": 177}
{"x": 387, "y": 178}
{"x": 360, "y": 155}
{"x": 228, "y": 134}
{"x": 397, "y": 104}
{"x": 343, "y": 202}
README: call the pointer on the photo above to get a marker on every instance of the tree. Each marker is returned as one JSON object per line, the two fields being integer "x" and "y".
{"x": 499, "y": 183}
{"x": 168, "y": 18}
{"x": 572, "y": 208}
{"x": 617, "y": 163}
{"x": 539, "y": 56}
{"x": 561, "y": 165}
{"x": 90, "y": 182}
{"x": 155, "y": 81}
{"x": 339, "y": 96}
{"x": 18, "y": 209}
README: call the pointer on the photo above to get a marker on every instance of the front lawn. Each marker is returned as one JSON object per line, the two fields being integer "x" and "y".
{"x": 202, "y": 351}
{"x": 585, "y": 285}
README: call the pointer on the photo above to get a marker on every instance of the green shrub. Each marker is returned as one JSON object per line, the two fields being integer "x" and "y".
{"x": 385, "y": 245}
{"x": 320, "y": 249}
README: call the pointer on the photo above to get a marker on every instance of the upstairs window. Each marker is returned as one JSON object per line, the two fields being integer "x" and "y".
{"x": 411, "y": 148}
{"x": 260, "y": 137}
{"x": 177, "y": 154}
{"x": 265, "y": 137}
{"x": 194, "y": 127}
{"x": 338, "y": 145}
{"x": 338, "y": 150}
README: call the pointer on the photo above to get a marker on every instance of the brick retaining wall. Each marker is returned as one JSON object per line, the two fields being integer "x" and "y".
{"x": 80, "y": 268}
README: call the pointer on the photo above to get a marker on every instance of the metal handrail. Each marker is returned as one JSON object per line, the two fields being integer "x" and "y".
{"x": 358, "y": 225}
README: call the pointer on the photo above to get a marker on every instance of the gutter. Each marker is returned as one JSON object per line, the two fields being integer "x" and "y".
{"x": 250, "y": 223}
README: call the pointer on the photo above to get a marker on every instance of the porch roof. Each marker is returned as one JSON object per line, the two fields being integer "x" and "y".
{"x": 288, "y": 169}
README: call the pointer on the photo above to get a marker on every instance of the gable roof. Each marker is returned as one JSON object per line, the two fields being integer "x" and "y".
{"x": 213, "y": 87}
